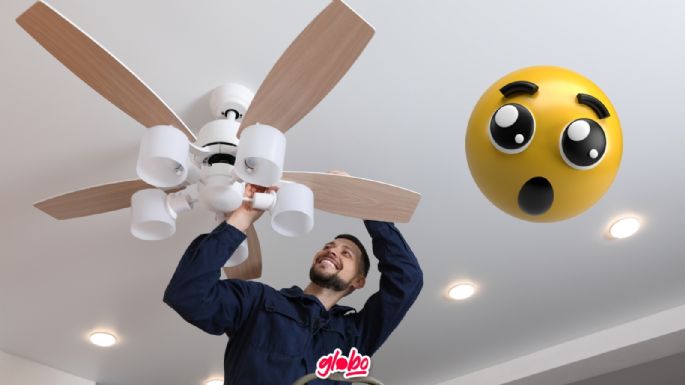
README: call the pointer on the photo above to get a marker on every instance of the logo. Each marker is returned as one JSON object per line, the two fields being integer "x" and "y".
{"x": 356, "y": 365}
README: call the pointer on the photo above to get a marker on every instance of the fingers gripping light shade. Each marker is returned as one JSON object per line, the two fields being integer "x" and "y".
{"x": 163, "y": 156}
{"x": 260, "y": 155}
{"x": 151, "y": 217}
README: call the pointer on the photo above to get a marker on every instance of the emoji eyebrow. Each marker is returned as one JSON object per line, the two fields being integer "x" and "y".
{"x": 519, "y": 87}
{"x": 597, "y": 106}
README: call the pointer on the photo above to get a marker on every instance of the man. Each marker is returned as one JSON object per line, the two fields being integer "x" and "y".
{"x": 275, "y": 337}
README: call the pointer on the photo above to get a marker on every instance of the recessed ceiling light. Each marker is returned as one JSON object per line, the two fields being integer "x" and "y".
{"x": 215, "y": 382}
{"x": 624, "y": 227}
{"x": 461, "y": 291}
{"x": 103, "y": 339}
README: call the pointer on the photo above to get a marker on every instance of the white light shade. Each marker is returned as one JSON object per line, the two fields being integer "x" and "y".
{"x": 260, "y": 155}
{"x": 151, "y": 218}
{"x": 163, "y": 156}
{"x": 293, "y": 214}
{"x": 102, "y": 339}
{"x": 624, "y": 227}
{"x": 218, "y": 190}
{"x": 215, "y": 382}
{"x": 239, "y": 255}
{"x": 462, "y": 291}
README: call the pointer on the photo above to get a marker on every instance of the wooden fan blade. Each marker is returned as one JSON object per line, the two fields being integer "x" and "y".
{"x": 358, "y": 197}
{"x": 313, "y": 64}
{"x": 93, "y": 200}
{"x": 251, "y": 268}
{"x": 97, "y": 67}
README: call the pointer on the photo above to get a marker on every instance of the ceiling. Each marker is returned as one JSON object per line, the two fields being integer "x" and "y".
{"x": 399, "y": 116}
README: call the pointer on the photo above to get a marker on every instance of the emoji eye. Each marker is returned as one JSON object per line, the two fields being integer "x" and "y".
{"x": 583, "y": 144}
{"x": 512, "y": 128}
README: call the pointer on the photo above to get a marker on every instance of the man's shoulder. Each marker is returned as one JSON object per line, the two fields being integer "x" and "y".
{"x": 280, "y": 295}
{"x": 252, "y": 288}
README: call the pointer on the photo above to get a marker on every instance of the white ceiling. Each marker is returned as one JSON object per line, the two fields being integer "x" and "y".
{"x": 398, "y": 116}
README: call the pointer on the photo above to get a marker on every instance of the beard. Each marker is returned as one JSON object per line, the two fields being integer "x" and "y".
{"x": 332, "y": 281}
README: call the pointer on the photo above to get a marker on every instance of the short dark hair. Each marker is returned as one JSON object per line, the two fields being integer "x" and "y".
{"x": 366, "y": 263}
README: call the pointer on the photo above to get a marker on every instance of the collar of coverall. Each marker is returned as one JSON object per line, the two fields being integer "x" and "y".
{"x": 297, "y": 293}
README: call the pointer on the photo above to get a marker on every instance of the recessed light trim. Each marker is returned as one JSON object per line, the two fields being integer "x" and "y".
{"x": 103, "y": 339}
{"x": 624, "y": 227}
{"x": 461, "y": 291}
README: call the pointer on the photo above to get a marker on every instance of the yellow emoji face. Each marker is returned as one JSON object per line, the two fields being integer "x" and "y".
{"x": 544, "y": 143}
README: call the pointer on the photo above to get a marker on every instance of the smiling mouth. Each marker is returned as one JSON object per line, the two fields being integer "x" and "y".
{"x": 329, "y": 260}
{"x": 536, "y": 196}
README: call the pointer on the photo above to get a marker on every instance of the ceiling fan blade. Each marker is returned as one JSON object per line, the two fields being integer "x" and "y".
{"x": 313, "y": 64}
{"x": 251, "y": 268}
{"x": 93, "y": 200}
{"x": 97, "y": 67}
{"x": 357, "y": 197}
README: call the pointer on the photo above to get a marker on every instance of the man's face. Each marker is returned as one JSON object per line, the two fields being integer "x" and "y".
{"x": 336, "y": 266}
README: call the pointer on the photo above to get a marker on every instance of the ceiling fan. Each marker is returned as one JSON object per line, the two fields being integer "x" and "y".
{"x": 309, "y": 68}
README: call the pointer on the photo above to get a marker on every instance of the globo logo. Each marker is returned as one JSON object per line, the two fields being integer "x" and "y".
{"x": 356, "y": 365}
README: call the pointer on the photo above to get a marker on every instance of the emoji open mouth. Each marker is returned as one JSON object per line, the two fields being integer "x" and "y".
{"x": 536, "y": 196}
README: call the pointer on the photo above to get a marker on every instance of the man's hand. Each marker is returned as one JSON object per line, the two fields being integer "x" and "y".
{"x": 244, "y": 216}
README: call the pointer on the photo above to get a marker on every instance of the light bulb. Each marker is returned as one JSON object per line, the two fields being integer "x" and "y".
{"x": 102, "y": 339}
{"x": 624, "y": 227}
{"x": 462, "y": 291}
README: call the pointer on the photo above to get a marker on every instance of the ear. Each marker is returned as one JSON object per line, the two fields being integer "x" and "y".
{"x": 358, "y": 282}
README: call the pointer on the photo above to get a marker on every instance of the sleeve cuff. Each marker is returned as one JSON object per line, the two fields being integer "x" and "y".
{"x": 376, "y": 228}
{"x": 225, "y": 232}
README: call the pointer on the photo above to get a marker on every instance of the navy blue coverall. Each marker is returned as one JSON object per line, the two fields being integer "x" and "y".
{"x": 277, "y": 336}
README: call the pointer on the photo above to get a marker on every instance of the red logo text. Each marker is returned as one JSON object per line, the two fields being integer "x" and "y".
{"x": 356, "y": 365}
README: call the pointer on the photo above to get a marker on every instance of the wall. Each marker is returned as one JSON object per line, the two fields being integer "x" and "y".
{"x": 666, "y": 371}
{"x": 18, "y": 371}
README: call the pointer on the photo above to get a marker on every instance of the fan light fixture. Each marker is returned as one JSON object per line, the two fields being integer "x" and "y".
{"x": 102, "y": 339}
{"x": 624, "y": 227}
{"x": 461, "y": 291}
{"x": 163, "y": 156}
{"x": 218, "y": 189}
{"x": 292, "y": 208}
{"x": 260, "y": 155}
{"x": 214, "y": 171}
{"x": 212, "y": 168}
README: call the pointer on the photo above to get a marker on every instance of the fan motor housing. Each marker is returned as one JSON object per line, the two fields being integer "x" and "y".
{"x": 219, "y": 138}
{"x": 217, "y": 132}
{"x": 230, "y": 97}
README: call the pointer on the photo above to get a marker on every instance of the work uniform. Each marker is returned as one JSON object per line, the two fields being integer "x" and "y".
{"x": 277, "y": 336}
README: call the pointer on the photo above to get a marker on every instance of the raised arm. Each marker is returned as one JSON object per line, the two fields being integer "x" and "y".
{"x": 400, "y": 284}
{"x": 196, "y": 291}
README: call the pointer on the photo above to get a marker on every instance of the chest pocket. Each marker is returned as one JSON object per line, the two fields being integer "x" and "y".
{"x": 337, "y": 334}
{"x": 280, "y": 328}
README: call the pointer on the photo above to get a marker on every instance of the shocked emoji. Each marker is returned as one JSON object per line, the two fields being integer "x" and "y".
{"x": 544, "y": 144}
